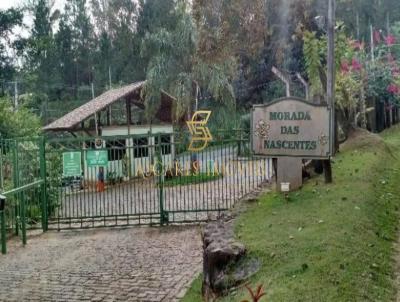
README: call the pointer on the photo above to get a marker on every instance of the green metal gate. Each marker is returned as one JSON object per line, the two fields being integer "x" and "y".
{"x": 147, "y": 180}
{"x": 150, "y": 179}
{"x": 23, "y": 183}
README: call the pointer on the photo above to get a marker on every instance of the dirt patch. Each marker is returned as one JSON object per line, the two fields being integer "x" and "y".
{"x": 361, "y": 139}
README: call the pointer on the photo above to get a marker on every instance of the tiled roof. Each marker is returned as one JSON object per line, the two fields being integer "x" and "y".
{"x": 76, "y": 116}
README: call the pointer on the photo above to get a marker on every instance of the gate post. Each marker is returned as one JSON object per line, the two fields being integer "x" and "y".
{"x": 43, "y": 176}
{"x": 23, "y": 217}
{"x": 3, "y": 224}
{"x": 160, "y": 170}
{"x": 15, "y": 174}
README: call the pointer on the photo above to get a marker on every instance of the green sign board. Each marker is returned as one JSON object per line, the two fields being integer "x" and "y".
{"x": 97, "y": 158}
{"x": 72, "y": 164}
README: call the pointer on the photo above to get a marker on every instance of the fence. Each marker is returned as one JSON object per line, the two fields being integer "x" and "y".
{"x": 22, "y": 177}
{"x": 151, "y": 179}
{"x": 146, "y": 179}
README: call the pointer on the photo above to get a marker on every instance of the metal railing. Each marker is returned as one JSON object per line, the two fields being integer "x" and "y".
{"x": 151, "y": 179}
{"x": 148, "y": 179}
{"x": 21, "y": 209}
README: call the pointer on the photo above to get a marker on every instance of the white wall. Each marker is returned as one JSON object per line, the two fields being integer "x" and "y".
{"x": 143, "y": 163}
{"x": 136, "y": 129}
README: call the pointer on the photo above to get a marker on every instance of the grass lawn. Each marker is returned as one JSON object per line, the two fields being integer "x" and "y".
{"x": 329, "y": 242}
{"x": 191, "y": 179}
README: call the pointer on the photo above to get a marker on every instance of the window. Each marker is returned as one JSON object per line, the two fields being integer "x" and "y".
{"x": 141, "y": 147}
{"x": 165, "y": 144}
{"x": 116, "y": 149}
{"x": 94, "y": 144}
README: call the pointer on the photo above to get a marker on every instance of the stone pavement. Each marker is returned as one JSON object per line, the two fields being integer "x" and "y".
{"x": 134, "y": 264}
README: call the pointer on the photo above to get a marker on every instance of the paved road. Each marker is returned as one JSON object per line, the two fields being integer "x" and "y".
{"x": 136, "y": 264}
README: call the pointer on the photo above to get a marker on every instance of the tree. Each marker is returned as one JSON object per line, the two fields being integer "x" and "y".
{"x": 19, "y": 123}
{"x": 82, "y": 40}
{"x": 104, "y": 59}
{"x": 234, "y": 31}
{"x": 65, "y": 55}
{"x": 9, "y": 20}
{"x": 41, "y": 55}
{"x": 177, "y": 65}
{"x": 153, "y": 15}
{"x": 75, "y": 49}
{"x": 126, "y": 52}
{"x": 349, "y": 82}
{"x": 102, "y": 14}
{"x": 119, "y": 47}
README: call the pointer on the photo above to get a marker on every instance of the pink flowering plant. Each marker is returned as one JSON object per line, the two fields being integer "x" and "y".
{"x": 361, "y": 79}
{"x": 384, "y": 71}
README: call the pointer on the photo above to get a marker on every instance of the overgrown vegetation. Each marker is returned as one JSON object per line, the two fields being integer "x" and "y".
{"x": 17, "y": 123}
{"x": 212, "y": 51}
{"x": 329, "y": 242}
{"x": 191, "y": 179}
{"x": 366, "y": 80}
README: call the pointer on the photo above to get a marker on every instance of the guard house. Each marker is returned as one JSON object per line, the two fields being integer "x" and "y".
{"x": 119, "y": 114}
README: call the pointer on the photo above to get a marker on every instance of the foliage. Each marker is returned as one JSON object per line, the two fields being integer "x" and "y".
{"x": 375, "y": 12}
{"x": 229, "y": 27}
{"x": 219, "y": 49}
{"x": 113, "y": 178}
{"x": 176, "y": 67}
{"x": 54, "y": 180}
{"x": 384, "y": 70}
{"x": 9, "y": 20}
{"x": 348, "y": 87}
{"x": 17, "y": 123}
{"x": 224, "y": 118}
{"x": 313, "y": 55}
{"x": 255, "y": 295}
{"x": 379, "y": 79}
{"x": 82, "y": 37}
{"x": 395, "y": 31}
{"x": 359, "y": 78}
{"x": 190, "y": 178}
{"x": 315, "y": 52}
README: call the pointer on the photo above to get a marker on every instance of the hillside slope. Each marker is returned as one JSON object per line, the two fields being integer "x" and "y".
{"x": 329, "y": 242}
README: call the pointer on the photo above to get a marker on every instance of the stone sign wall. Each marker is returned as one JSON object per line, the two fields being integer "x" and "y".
{"x": 291, "y": 127}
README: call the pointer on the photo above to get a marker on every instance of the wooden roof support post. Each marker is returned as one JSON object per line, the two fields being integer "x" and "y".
{"x": 96, "y": 124}
{"x": 128, "y": 115}
{"x": 108, "y": 114}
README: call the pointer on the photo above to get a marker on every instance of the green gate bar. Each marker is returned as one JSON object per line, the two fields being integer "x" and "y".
{"x": 42, "y": 160}
{"x": 160, "y": 169}
{"x": 20, "y": 194}
{"x": 3, "y": 225}
{"x": 3, "y": 233}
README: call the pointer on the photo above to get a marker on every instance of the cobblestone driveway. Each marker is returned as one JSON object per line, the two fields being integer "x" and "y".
{"x": 135, "y": 264}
